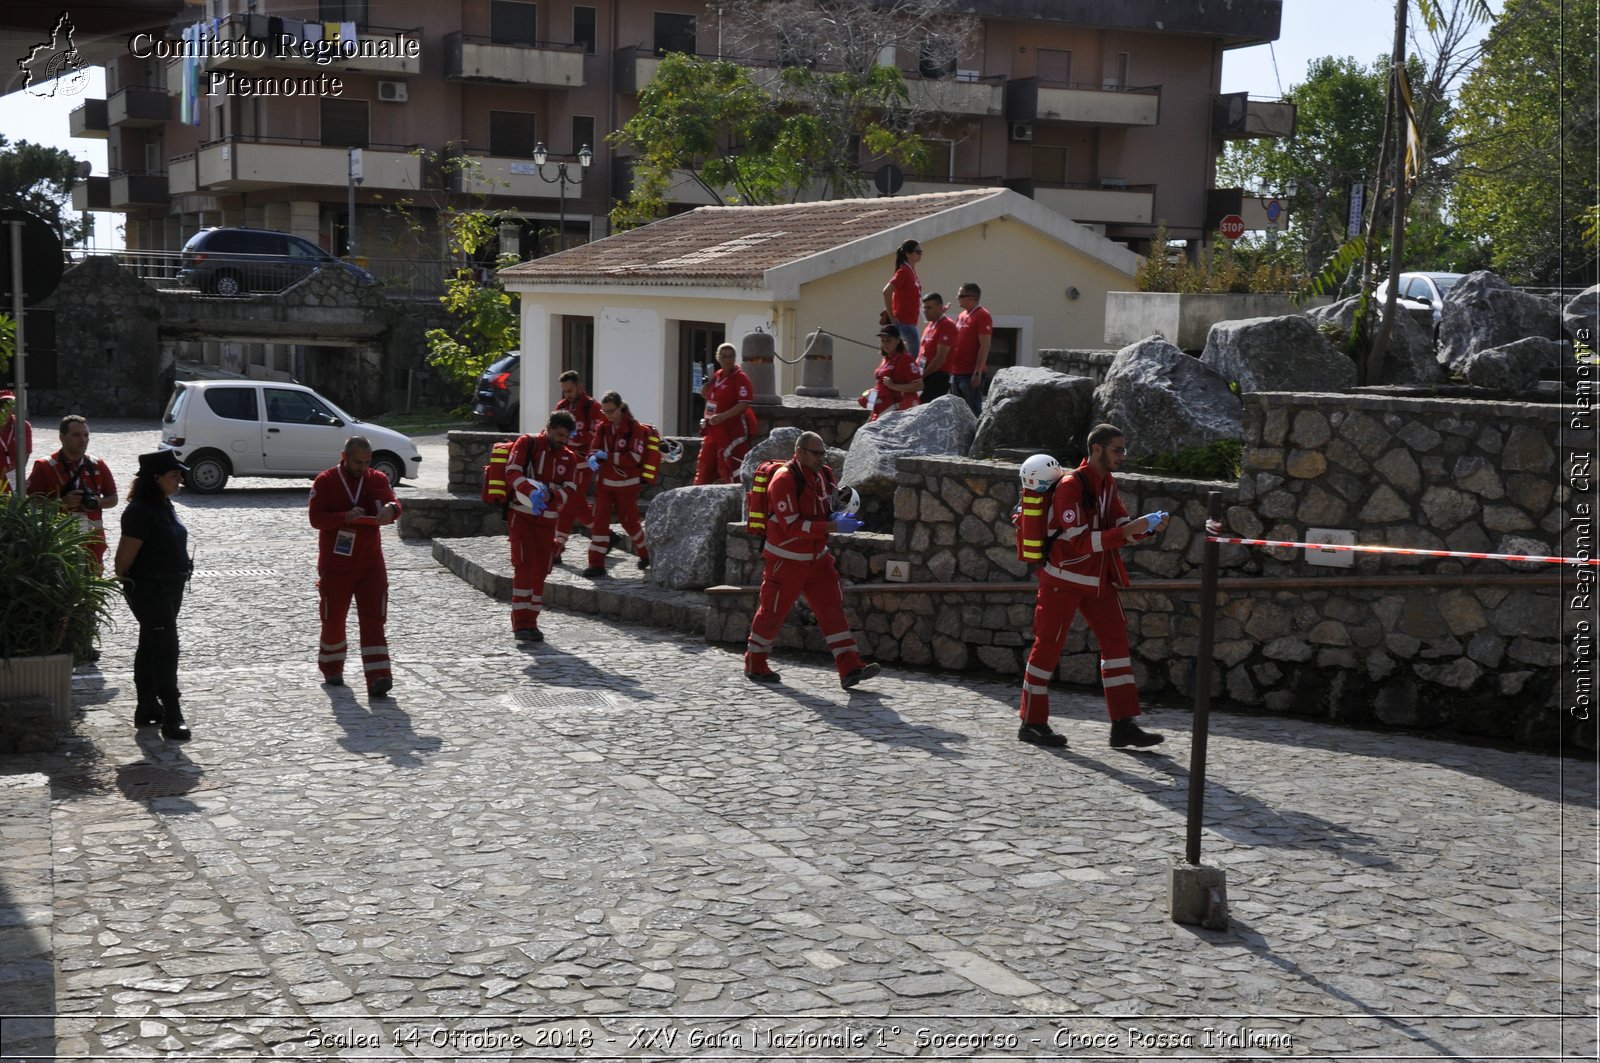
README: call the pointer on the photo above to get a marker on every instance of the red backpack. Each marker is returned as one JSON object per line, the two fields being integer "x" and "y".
{"x": 755, "y": 500}
{"x": 493, "y": 490}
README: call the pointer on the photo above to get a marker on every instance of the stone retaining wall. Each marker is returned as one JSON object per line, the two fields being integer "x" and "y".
{"x": 1092, "y": 364}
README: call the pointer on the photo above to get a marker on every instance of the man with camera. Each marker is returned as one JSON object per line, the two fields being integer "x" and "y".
{"x": 78, "y": 483}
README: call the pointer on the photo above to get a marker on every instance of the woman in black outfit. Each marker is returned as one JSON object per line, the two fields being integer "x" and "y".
{"x": 153, "y": 563}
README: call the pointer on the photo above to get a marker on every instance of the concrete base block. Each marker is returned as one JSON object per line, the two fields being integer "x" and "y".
{"x": 1198, "y": 896}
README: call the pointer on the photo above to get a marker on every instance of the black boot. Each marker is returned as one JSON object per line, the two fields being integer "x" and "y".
{"x": 173, "y": 729}
{"x": 1125, "y": 732}
{"x": 146, "y": 715}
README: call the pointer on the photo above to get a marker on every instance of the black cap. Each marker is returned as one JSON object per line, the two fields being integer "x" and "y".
{"x": 890, "y": 330}
{"x": 159, "y": 463}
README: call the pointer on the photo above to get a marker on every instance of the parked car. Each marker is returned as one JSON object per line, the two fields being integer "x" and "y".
{"x": 223, "y": 428}
{"x": 235, "y": 261}
{"x": 1419, "y": 291}
{"x": 497, "y": 401}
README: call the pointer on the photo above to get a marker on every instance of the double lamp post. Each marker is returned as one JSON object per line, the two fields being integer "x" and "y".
{"x": 540, "y": 157}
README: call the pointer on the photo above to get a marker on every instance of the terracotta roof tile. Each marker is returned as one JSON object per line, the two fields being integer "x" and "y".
{"x": 737, "y": 243}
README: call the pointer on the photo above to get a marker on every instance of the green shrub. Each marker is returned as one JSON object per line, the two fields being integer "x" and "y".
{"x": 1222, "y": 460}
{"x": 51, "y": 598}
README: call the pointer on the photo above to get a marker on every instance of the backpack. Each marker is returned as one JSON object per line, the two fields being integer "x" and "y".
{"x": 650, "y": 463}
{"x": 755, "y": 501}
{"x": 1032, "y": 519}
{"x": 493, "y": 491}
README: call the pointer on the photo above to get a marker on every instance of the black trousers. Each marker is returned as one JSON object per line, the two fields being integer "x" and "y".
{"x": 155, "y": 601}
{"x": 934, "y": 385}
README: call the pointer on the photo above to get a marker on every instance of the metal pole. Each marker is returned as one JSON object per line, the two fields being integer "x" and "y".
{"x": 19, "y": 429}
{"x": 350, "y": 209}
{"x": 1202, "y": 683}
{"x": 561, "y": 182}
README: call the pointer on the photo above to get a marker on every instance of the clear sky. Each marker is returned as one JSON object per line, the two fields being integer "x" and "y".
{"x": 1311, "y": 29}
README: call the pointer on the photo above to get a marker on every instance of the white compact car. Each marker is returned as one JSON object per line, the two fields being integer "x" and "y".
{"x": 223, "y": 428}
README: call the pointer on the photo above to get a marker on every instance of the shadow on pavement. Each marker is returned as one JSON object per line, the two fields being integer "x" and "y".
{"x": 379, "y": 727}
{"x": 868, "y": 716}
{"x": 557, "y": 667}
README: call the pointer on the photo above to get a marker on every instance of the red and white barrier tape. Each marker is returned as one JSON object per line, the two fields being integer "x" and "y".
{"x": 1409, "y": 551}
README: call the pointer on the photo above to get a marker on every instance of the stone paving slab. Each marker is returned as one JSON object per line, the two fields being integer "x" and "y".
{"x": 610, "y": 846}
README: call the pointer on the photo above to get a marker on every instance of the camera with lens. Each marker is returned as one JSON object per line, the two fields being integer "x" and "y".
{"x": 89, "y": 500}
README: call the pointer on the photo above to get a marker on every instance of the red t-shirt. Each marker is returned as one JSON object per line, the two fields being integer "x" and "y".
{"x": 905, "y": 300}
{"x": 942, "y": 333}
{"x": 900, "y": 369}
{"x": 971, "y": 325}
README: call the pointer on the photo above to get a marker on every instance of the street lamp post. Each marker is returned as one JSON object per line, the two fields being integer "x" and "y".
{"x": 585, "y": 157}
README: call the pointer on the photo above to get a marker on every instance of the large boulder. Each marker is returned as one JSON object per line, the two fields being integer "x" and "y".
{"x": 944, "y": 426}
{"x": 1166, "y": 400}
{"x": 1277, "y": 354}
{"x": 1514, "y": 366}
{"x": 1037, "y": 409}
{"x": 1580, "y": 313}
{"x": 779, "y": 446}
{"x": 1410, "y": 359}
{"x": 1483, "y": 311}
{"x": 688, "y": 533}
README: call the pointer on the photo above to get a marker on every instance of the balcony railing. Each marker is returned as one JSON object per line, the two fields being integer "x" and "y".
{"x": 1238, "y": 116}
{"x": 239, "y": 163}
{"x": 1033, "y": 100}
{"x": 89, "y": 120}
{"x": 92, "y": 193}
{"x": 137, "y": 106}
{"x": 1103, "y": 204}
{"x": 543, "y": 64}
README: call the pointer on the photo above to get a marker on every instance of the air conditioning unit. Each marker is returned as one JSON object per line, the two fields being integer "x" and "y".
{"x": 392, "y": 91}
{"x": 1021, "y": 132}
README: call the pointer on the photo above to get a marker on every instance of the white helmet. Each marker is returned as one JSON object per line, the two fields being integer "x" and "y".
{"x": 671, "y": 451}
{"x": 1039, "y": 472}
{"x": 846, "y": 500}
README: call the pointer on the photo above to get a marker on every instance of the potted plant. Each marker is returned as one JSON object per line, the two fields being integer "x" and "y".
{"x": 52, "y": 602}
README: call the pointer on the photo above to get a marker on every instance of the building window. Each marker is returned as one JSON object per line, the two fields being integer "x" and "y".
{"x": 582, "y": 132}
{"x": 1049, "y": 165}
{"x": 345, "y": 123}
{"x": 513, "y": 23}
{"x": 1053, "y": 65}
{"x": 577, "y": 347}
{"x": 343, "y": 11}
{"x": 674, "y": 33}
{"x": 941, "y": 160}
{"x": 512, "y": 133}
{"x": 1117, "y": 71}
{"x": 937, "y": 58}
{"x": 584, "y": 28}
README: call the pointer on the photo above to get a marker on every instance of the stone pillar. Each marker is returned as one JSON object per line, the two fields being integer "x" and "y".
{"x": 816, "y": 372}
{"x": 756, "y": 353}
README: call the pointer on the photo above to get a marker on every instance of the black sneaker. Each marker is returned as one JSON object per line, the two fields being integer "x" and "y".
{"x": 1125, "y": 732}
{"x": 768, "y": 676}
{"x": 530, "y": 634}
{"x": 859, "y": 675}
{"x": 333, "y": 680}
{"x": 644, "y": 562}
{"x": 380, "y": 688}
{"x": 595, "y": 571}
{"x": 144, "y": 716}
{"x": 1039, "y": 734}
{"x": 173, "y": 729}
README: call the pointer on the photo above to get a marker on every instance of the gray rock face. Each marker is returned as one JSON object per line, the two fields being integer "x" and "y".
{"x": 1411, "y": 358}
{"x": 1513, "y": 366}
{"x": 944, "y": 426}
{"x": 1035, "y": 408}
{"x": 1166, "y": 400}
{"x": 1483, "y": 311}
{"x": 1277, "y": 354}
{"x": 1581, "y": 312}
{"x": 779, "y": 446}
{"x": 688, "y": 527}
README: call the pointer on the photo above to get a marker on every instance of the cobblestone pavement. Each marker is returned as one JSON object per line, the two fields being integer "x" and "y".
{"x": 611, "y": 846}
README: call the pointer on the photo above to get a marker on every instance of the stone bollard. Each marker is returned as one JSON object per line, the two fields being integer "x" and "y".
{"x": 756, "y": 358}
{"x": 816, "y": 378}
{"x": 1198, "y": 896}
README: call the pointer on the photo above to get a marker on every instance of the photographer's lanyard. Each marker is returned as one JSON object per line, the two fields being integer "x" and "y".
{"x": 354, "y": 496}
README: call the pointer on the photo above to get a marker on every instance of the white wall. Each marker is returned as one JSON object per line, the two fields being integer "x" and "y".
{"x": 541, "y": 364}
{"x": 630, "y": 356}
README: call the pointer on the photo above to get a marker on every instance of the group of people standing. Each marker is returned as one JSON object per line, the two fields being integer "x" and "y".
{"x": 951, "y": 357}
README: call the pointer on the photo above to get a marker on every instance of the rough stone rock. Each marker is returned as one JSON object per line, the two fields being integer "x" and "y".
{"x": 1580, "y": 313}
{"x": 1166, "y": 400}
{"x": 1277, "y": 354}
{"x": 688, "y": 530}
{"x": 779, "y": 446}
{"x": 1512, "y": 366}
{"x": 1038, "y": 409}
{"x": 1483, "y": 311}
{"x": 944, "y": 426}
{"x": 1410, "y": 358}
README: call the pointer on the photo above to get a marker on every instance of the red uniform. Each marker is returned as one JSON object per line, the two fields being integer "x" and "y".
{"x": 586, "y": 411}
{"x": 901, "y": 369}
{"x": 796, "y": 563}
{"x": 724, "y": 445}
{"x": 535, "y": 459}
{"x": 905, "y": 296}
{"x": 1081, "y": 574}
{"x": 350, "y": 564}
{"x": 54, "y": 477}
{"x": 618, "y": 488}
{"x": 10, "y": 451}
{"x": 941, "y": 333}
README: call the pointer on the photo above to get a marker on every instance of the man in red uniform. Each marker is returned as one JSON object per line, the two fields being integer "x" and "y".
{"x": 729, "y": 425}
{"x": 79, "y": 484}
{"x": 938, "y": 340}
{"x": 587, "y": 418}
{"x": 617, "y": 460}
{"x": 539, "y": 478}
{"x": 796, "y": 563}
{"x": 14, "y": 446}
{"x": 970, "y": 358}
{"x": 349, "y": 503}
{"x": 1081, "y": 573}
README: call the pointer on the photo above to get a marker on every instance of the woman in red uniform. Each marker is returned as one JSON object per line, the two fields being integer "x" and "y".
{"x": 619, "y": 446}
{"x": 902, "y": 296}
{"x": 898, "y": 376}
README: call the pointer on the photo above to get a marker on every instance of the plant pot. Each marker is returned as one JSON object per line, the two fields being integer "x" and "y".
{"x": 1185, "y": 320}
{"x": 40, "y": 677}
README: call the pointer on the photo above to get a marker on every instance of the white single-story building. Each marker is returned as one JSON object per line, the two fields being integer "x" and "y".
{"x": 641, "y": 312}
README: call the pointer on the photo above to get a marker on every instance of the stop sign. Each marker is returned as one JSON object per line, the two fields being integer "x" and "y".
{"x": 1232, "y": 226}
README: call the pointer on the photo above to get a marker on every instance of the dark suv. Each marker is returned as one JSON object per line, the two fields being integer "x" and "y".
{"x": 497, "y": 399}
{"x": 235, "y": 261}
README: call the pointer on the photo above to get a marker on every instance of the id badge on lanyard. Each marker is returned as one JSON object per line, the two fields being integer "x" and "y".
{"x": 344, "y": 543}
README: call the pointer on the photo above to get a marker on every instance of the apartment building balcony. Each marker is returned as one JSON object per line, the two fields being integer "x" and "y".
{"x": 500, "y": 175}
{"x": 257, "y": 43}
{"x": 1032, "y": 100}
{"x": 542, "y": 65}
{"x": 138, "y": 105}
{"x": 1238, "y": 116}
{"x": 135, "y": 188}
{"x": 92, "y": 193}
{"x": 1107, "y": 203}
{"x": 238, "y": 164}
{"x": 981, "y": 97}
{"x": 634, "y": 69}
{"x": 88, "y": 120}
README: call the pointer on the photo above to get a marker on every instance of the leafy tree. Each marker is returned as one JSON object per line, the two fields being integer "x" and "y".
{"x": 1528, "y": 154}
{"x": 39, "y": 179}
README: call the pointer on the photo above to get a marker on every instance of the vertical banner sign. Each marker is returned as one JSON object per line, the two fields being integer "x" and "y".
{"x": 1358, "y": 197}
{"x": 1580, "y": 445}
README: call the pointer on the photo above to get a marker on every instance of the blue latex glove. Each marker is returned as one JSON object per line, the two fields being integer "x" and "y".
{"x": 538, "y": 497}
{"x": 595, "y": 459}
{"x": 846, "y": 522}
{"x": 1159, "y": 517}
